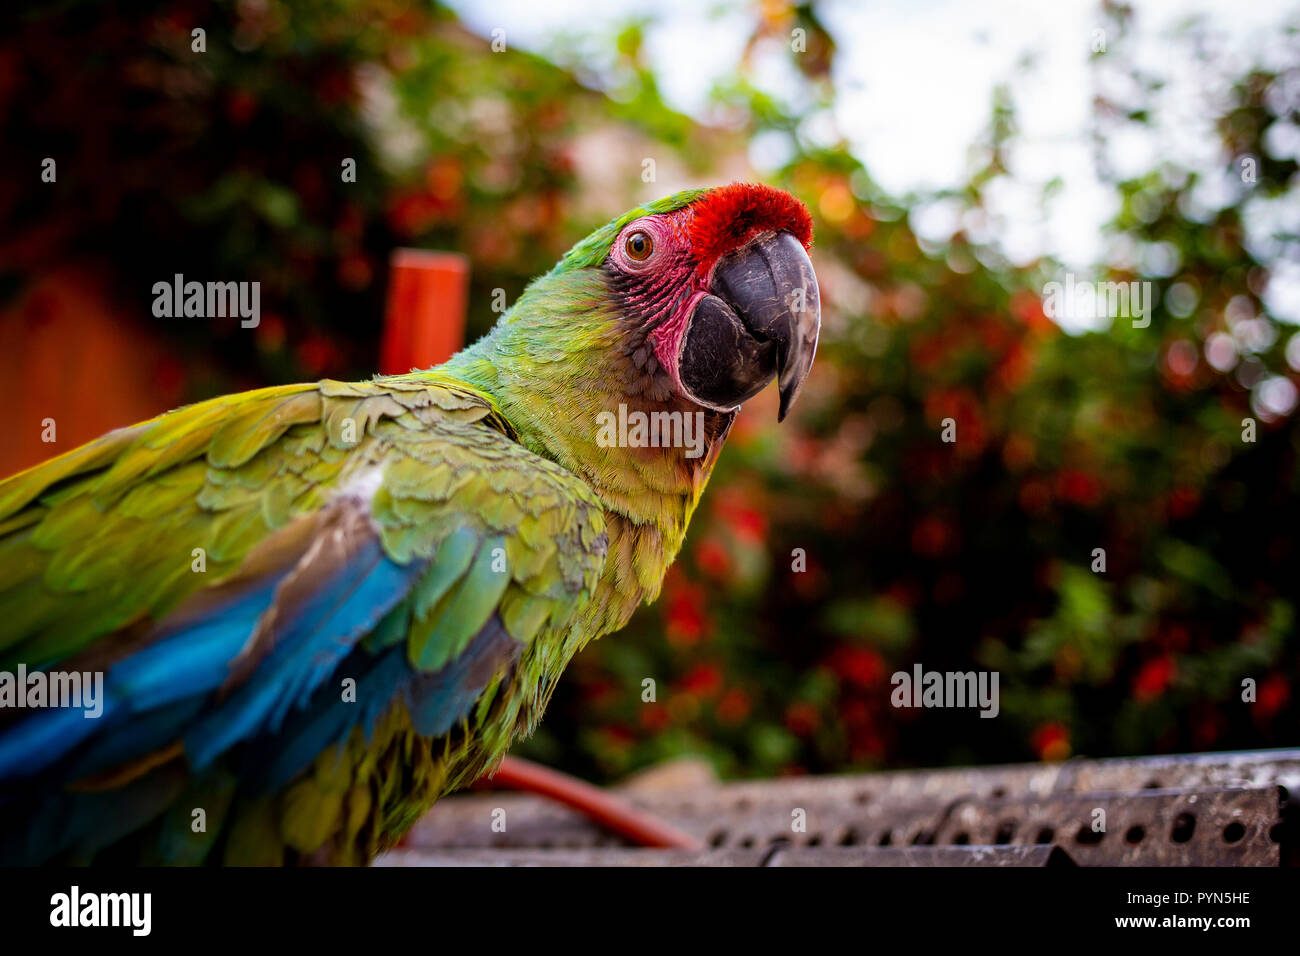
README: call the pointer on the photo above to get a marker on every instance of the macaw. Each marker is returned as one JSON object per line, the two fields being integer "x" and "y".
{"x": 313, "y": 609}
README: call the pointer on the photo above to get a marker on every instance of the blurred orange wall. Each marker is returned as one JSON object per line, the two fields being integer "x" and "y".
{"x": 67, "y": 354}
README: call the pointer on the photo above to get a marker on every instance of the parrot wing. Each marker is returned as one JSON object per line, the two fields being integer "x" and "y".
{"x": 220, "y": 563}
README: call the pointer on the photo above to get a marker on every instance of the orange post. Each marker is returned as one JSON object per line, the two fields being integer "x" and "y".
{"x": 424, "y": 320}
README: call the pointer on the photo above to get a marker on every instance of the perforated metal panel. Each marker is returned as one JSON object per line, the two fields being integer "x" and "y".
{"x": 1212, "y": 809}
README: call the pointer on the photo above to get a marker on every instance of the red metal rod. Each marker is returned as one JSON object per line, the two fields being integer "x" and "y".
{"x": 425, "y": 318}
{"x": 610, "y": 812}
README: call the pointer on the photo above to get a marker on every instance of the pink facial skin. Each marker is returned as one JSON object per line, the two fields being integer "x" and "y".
{"x": 665, "y": 287}
{"x": 668, "y": 282}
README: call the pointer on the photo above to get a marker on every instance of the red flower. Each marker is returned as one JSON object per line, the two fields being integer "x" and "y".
{"x": 1206, "y": 726}
{"x": 317, "y": 354}
{"x": 1078, "y": 487}
{"x": 993, "y": 334}
{"x": 654, "y": 717}
{"x": 1018, "y": 451}
{"x": 802, "y": 718}
{"x": 618, "y": 736}
{"x": 412, "y": 213}
{"x": 704, "y": 680}
{"x": 687, "y": 621}
{"x": 1028, "y": 308}
{"x": 963, "y": 407}
{"x": 857, "y": 665}
{"x": 748, "y": 524}
{"x": 1052, "y": 741}
{"x": 1154, "y": 678}
{"x": 733, "y": 706}
{"x": 714, "y": 559}
{"x": 1273, "y": 696}
{"x": 443, "y": 176}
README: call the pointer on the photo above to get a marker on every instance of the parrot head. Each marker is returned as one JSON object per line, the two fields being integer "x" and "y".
{"x": 718, "y": 294}
{"x": 689, "y": 305}
{"x": 713, "y": 291}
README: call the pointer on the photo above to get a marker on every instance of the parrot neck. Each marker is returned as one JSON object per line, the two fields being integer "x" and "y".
{"x": 556, "y": 366}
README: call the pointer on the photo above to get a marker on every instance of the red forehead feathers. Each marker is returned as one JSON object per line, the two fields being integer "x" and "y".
{"x": 729, "y": 216}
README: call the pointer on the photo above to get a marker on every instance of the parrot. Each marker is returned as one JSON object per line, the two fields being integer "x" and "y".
{"x": 308, "y": 611}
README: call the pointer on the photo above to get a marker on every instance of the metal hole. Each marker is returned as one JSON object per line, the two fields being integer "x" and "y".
{"x": 862, "y": 797}
{"x": 961, "y": 839}
{"x": 886, "y": 839}
{"x": 851, "y": 837}
{"x": 815, "y": 840}
{"x": 1006, "y": 830}
{"x": 1151, "y": 785}
{"x": 1184, "y": 827}
{"x": 923, "y": 838}
{"x": 998, "y": 793}
{"x": 1135, "y": 833}
{"x": 1275, "y": 833}
{"x": 1088, "y": 836}
{"x": 718, "y": 838}
{"x": 747, "y": 842}
{"x": 1233, "y": 832}
{"x": 1045, "y": 835}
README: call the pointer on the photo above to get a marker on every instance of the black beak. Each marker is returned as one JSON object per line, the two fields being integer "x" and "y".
{"x": 760, "y": 320}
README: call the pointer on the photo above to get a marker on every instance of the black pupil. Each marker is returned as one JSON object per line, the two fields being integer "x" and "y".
{"x": 638, "y": 244}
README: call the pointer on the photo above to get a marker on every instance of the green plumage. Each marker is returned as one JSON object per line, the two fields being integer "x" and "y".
{"x": 479, "y": 487}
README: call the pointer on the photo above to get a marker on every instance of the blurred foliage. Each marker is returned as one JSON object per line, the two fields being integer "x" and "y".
{"x": 980, "y": 554}
{"x": 975, "y": 554}
{"x": 229, "y": 162}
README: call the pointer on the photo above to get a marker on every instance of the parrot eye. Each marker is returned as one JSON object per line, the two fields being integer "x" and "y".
{"x": 638, "y": 246}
